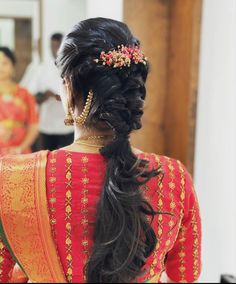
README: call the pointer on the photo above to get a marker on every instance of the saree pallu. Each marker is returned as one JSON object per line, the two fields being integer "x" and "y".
{"x": 24, "y": 216}
{"x": 18, "y": 110}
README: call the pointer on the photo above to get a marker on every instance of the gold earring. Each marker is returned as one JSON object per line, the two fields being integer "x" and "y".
{"x": 69, "y": 120}
{"x": 81, "y": 119}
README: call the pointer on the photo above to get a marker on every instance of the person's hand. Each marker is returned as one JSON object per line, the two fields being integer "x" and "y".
{"x": 50, "y": 94}
{"x": 43, "y": 97}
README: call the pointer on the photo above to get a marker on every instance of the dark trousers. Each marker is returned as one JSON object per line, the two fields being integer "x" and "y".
{"x": 54, "y": 142}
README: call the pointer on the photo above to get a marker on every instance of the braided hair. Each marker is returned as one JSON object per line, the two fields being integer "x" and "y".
{"x": 123, "y": 237}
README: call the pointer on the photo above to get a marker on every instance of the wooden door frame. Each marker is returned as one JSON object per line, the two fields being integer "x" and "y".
{"x": 175, "y": 24}
{"x": 183, "y": 68}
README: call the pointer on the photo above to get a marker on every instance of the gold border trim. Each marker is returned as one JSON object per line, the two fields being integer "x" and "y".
{"x": 25, "y": 216}
{"x": 44, "y": 223}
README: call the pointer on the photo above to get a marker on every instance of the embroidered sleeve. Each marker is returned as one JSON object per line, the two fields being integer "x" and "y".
{"x": 184, "y": 260}
{"x": 6, "y": 263}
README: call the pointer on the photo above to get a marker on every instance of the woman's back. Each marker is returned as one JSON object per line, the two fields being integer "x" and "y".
{"x": 112, "y": 217}
{"x": 73, "y": 187}
{"x": 74, "y": 182}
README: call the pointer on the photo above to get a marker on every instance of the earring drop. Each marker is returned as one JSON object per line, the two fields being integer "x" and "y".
{"x": 69, "y": 120}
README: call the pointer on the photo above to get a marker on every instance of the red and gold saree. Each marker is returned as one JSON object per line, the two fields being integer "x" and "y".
{"x": 48, "y": 209}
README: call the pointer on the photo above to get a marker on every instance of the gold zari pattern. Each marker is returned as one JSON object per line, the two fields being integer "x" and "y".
{"x": 24, "y": 212}
{"x": 84, "y": 210}
{"x": 68, "y": 213}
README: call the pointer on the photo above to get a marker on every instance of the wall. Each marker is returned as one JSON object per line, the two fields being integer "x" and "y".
{"x": 215, "y": 167}
{"x": 55, "y": 19}
{"x": 60, "y": 16}
{"x": 105, "y": 8}
{"x": 7, "y": 28}
{"x": 23, "y": 8}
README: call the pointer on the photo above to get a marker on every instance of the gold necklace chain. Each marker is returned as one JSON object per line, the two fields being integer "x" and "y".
{"x": 84, "y": 143}
{"x": 92, "y": 141}
{"x": 99, "y": 137}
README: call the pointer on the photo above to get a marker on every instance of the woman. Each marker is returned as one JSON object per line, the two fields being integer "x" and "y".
{"x": 18, "y": 115}
{"x": 100, "y": 210}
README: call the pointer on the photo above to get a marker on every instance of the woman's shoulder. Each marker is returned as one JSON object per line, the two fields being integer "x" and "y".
{"x": 167, "y": 164}
{"x": 173, "y": 173}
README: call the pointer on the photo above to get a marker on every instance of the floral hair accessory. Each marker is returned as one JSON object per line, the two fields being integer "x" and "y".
{"x": 122, "y": 57}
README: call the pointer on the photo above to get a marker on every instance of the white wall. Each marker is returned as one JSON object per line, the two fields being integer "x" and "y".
{"x": 23, "y": 8}
{"x": 105, "y": 8}
{"x": 60, "y": 16}
{"x": 7, "y": 29}
{"x": 215, "y": 174}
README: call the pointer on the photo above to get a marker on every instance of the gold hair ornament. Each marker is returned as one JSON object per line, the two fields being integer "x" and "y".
{"x": 71, "y": 118}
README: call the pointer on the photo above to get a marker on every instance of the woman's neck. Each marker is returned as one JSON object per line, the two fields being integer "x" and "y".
{"x": 7, "y": 84}
{"x": 88, "y": 140}
{"x": 6, "y": 81}
{"x": 82, "y": 133}
{"x": 86, "y": 133}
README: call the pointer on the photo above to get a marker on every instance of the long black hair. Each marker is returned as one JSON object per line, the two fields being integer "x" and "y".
{"x": 123, "y": 237}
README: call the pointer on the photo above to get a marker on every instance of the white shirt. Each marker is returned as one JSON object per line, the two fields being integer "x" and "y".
{"x": 42, "y": 78}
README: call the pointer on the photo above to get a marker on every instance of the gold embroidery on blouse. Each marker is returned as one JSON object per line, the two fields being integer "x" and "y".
{"x": 152, "y": 271}
{"x": 84, "y": 210}
{"x": 68, "y": 213}
{"x": 52, "y": 198}
{"x": 172, "y": 187}
{"x": 182, "y": 267}
{"x": 195, "y": 244}
{"x": 182, "y": 188}
{"x": 160, "y": 204}
{"x": 182, "y": 254}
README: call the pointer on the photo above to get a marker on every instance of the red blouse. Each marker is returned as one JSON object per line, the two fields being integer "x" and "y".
{"x": 74, "y": 183}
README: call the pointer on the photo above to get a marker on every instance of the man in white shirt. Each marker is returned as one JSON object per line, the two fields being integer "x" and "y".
{"x": 45, "y": 85}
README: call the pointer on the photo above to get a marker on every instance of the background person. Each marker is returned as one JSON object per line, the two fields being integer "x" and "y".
{"x": 18, "y": 110}
{"x": 45, "y": 84}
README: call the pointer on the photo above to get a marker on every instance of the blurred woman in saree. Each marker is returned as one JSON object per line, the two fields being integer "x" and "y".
{"x": 18, "y": 111}
{"x": 99, "y": 210}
